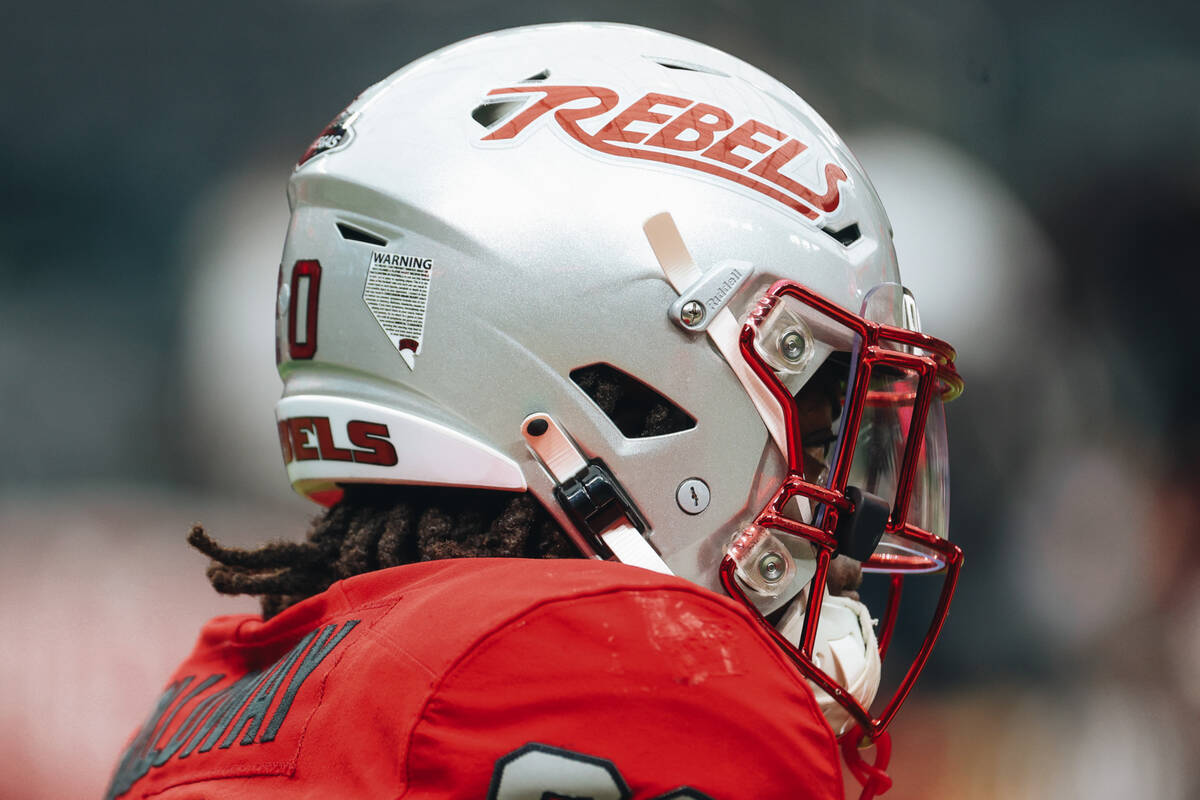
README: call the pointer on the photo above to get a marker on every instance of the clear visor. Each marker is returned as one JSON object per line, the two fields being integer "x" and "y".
{"x": 821, "y": 359}
{"x": 884, "y": 438}
{"x": 887, "y": 437}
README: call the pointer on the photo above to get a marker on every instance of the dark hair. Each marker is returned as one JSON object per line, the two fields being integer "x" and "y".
{"x": 377, "y": 526}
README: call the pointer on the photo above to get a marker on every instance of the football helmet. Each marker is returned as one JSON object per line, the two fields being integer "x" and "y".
{"x": 485, "y": 236}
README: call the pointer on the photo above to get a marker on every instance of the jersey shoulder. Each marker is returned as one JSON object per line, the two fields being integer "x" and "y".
{"x": 607, "y": 680}
{"x": 464, "y": 678}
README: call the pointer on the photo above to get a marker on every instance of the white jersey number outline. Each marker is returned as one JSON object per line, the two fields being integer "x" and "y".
{"x": 543, "y": 772}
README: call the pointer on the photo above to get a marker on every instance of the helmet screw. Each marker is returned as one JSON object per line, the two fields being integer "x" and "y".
{"x": 792, "y": 345}
{"x": 771, "y": 566}
{"x": 693, "y": 496}
{"x": 692, "y": 313}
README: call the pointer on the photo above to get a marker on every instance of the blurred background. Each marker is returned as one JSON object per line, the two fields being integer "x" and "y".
{"x": 1041, "y": 165}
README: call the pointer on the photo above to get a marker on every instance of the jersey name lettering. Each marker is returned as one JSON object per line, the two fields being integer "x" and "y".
{"x": 240, "y": 712}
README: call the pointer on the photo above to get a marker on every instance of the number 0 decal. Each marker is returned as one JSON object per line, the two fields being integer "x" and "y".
{"x": 542, "y": 772}
{"x": 306, "y": 277}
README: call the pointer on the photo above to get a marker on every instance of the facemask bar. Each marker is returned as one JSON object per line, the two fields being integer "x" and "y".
{"x": 876, "y": 346}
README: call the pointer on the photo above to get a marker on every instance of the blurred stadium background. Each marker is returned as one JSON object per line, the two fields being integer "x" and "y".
{"x": 1041, "y": 164}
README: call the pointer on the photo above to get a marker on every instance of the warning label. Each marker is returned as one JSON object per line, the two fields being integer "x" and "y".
{"x": 397, "y": 293}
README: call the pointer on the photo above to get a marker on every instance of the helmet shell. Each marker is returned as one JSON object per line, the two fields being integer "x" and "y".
{"x": 537, "y": 264}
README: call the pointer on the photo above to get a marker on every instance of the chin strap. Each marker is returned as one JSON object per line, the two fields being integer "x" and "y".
{"x": 873, "y": 777}
{"x": 590, "y": 495}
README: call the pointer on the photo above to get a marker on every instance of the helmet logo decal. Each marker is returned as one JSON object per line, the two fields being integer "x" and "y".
{"x": 397, "y": 293}
{"x": 311, "y": 439}
{"x": 337, "y": 134}
{"x": 697, "y": 136}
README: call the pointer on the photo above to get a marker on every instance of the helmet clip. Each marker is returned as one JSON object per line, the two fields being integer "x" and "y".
{"x": 590, "y": 495}
{"x": 700, "y": 303}
{"x": 595, "y": 501}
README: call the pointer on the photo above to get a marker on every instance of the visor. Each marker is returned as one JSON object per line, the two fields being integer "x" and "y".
{"x": 886, "y": 441}
{"x": 890, "y": 378}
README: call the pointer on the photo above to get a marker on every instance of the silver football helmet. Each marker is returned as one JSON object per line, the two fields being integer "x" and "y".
{"x": 480, "y": 235}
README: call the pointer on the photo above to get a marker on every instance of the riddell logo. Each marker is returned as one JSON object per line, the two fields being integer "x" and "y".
{"x": 311, "y": 439}
{"x": 694, "y": 135}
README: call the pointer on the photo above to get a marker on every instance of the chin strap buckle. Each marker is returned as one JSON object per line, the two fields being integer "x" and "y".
{"x": 595, "y": 502}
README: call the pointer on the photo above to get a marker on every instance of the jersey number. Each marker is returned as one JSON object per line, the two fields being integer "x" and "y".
{"x": 541, "y": 772}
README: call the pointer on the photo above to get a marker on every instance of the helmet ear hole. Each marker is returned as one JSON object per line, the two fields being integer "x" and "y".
{"x": 635, "y": 408}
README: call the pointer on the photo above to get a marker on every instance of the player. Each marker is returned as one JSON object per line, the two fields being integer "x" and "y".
{"x": 594, "y": 348}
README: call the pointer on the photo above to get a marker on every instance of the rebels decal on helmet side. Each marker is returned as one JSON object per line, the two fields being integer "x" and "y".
{"x": 311, "y": 438}
{"x": 694, "y": 129}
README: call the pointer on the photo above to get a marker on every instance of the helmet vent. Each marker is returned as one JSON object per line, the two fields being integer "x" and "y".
{"x": 488, "y": 114}
{"x": 637, "y": 410}
{"x": 686, "y": 66}
{"x": 847, "y": 235}
{"x": 355, "y": 235}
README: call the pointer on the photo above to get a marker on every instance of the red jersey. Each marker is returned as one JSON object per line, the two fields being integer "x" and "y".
{"x": 506, "y": 679}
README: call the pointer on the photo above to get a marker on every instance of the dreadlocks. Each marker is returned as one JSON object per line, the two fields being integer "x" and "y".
{"x": 378, "y": 526}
